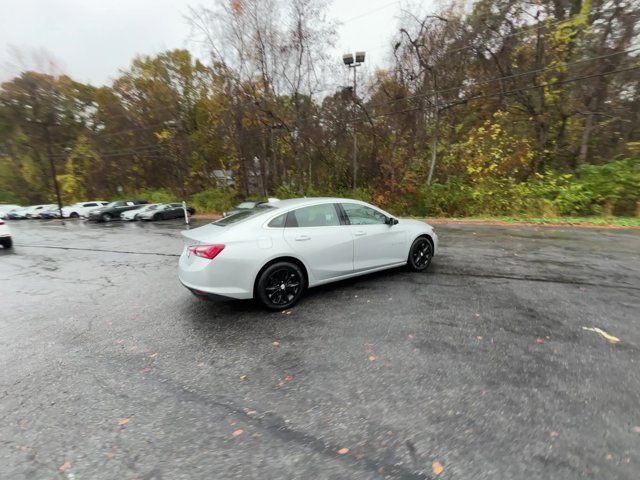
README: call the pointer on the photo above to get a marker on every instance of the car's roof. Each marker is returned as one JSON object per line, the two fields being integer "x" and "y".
{"x": 301, "y": 202}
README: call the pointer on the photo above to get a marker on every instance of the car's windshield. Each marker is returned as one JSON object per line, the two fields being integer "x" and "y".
{"x": 242, "y": 216}
{"x": 246, "y": 205}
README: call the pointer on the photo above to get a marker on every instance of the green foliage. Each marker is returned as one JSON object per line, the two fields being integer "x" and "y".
{"x": 595, "y": 189}
{"x": 159, "y": 196}
{"x": 214, "y": 200}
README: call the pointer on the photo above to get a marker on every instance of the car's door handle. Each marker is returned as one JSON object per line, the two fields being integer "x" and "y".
{"x": 359, "y": 233}
{"x": 302, "y": 238}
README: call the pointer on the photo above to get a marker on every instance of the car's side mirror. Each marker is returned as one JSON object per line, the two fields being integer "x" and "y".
{"x": 392, "y": 221}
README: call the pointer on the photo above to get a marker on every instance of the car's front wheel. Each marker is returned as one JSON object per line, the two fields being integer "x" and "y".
{"x": 6, "y": 242}
{"x": 420, "y": 254}
{"x": 73, "y": 215}
{"x": 105, "y": 217}
{"x": 280, "y": 285}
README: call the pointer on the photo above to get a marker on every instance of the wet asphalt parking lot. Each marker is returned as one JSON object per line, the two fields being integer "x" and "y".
{"x": 478, "y": 369}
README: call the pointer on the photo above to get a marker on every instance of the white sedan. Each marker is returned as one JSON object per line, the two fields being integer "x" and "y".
{"x": 132, "y": 215}
{"x": 81, "y": 209}
{"x": 5, "y": 235}
{"x": 277, "y": 250}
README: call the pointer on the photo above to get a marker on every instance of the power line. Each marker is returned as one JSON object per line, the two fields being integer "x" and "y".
{"x": 499, "y": 94}
{"x": 505, "y": 77}
{"x": 522, "y": 32}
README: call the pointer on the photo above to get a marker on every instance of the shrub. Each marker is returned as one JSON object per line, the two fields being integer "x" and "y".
{"x": 213, "y": 200}
{"x": 158, "y": 196}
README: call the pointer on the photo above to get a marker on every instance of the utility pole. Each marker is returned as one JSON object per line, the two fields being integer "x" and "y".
{"x": 354, "y": 62}
{"x": 53, "y": 171}
{"x": 434, "y": 147}
{"x": 436, "y": 130}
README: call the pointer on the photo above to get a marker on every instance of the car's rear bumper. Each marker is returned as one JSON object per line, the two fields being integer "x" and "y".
{"x": 222, "y": 277}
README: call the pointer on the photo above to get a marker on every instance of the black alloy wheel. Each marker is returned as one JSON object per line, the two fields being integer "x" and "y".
{"x": 280, "y": 286}
{"x": 420, "y": 254}
{"x": 73, "y": 215}
{"x": 105, "y": 217}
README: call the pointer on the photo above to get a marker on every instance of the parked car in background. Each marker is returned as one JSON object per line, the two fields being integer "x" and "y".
{"x": 81, "y": 209}
{"x": 5, "y": 235}
{"x": 166, "y": 211}
{"x": 50, "y": 213}
{"x": 113, "y": 210}
{"x": 248, "y": 205}
{"x": 132, "y": 215}
{"x": 274, "y": 252}
{"x": 35, "y": 210}
{"x": 5, "y": 209}
{"x": 17, "y": 213}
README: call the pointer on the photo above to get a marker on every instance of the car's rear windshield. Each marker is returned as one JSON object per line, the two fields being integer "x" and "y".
{"x": 245, "y": 205}
{"x": 242, "y": 216}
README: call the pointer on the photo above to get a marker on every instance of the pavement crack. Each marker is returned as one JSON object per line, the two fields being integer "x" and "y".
{"x": 99, "y": 250}
{"x": 529, "y": 278}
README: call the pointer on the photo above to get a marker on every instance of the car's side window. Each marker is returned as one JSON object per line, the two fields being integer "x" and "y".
{"x": 324, "y": 215}
{"x": 362, "y": 215}
{"x": 89, "y": 205}
{"x": 278, "y": 222}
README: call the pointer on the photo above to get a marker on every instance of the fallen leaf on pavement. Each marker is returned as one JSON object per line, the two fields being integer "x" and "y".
{"x": 368, "y": 348}
{"x": 539, "y": 341}
{"x": 437, "y": 468}
{"x": 554, "y": 434}
{"x": 288, "y": 378}
{"x": 343, "y": 451}
{"x": 602, "y": 333}
{"x": 636, "y": 429}
{"x": 410, "y": 337}
{"x": 64, "y": 467}
{"x": 479, "y": 337}
{"x": 237, "y": 433}
{"x": 244, "y": 377}
{"x": 251, "y": 412}
{"x": 124, "y": 422}
{"x": 276, "y": 344}
{"x": 153, "y": 355}
{"x": 200, "y": 364}
{"x": 144, "y": 370}
{"x": 372, "y": 358}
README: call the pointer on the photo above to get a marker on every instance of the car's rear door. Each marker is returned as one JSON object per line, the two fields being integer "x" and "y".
{"x": 316, "y": 235}
{"x": 376, "y": 243}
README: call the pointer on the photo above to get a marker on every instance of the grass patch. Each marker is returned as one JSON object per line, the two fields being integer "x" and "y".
{"x": 597, "y": 221}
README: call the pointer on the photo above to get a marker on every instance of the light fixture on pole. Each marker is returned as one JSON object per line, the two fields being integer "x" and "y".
{"x": 354, "y": 61}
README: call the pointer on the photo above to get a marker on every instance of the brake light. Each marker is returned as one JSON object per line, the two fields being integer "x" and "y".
{"x": 206, "y": 251}
{"x": 1, "y": 222}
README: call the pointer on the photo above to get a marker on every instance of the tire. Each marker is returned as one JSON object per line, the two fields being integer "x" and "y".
{"x": 105, "y": 217}
{"x": 74, "y": 215}
{"x": 280, "y": 286}
{"x": 420, "y": 254}
{"x": 156, "y": 217}
{"x": 6, "y": 242}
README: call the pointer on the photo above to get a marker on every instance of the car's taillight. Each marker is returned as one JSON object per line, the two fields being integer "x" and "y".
{"x": 1, "y": 222}
{"x": 206, "y": 251}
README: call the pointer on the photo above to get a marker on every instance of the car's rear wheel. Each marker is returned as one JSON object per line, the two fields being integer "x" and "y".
{"x": 156, "y": 217}
{"x": 73, "y": 215}
{"x": 280, "y": 285}
{"x": 6, "y": 242}
{"x": 420, "y": 254}
{"x": 105, "y": 217}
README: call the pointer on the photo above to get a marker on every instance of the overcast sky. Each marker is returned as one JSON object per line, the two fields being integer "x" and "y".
{"x": 92, "y": 39}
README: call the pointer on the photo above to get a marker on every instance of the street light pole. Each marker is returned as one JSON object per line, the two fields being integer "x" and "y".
{"x": 354, "y": 62}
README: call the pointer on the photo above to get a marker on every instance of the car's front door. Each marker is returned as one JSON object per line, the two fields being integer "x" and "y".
{"x": 376, "y": 243}
{"x": 315, "y": 234}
